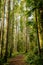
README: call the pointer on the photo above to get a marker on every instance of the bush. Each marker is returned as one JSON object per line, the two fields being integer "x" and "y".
{"x": 34, "y": 59}
{"x": 1, "y": 62}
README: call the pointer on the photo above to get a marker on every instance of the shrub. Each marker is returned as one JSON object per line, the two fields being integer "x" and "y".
{"x": 34, "y": 59}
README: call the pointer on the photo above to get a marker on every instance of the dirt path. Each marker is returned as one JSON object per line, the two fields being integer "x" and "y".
{"x": 18, "y": 60}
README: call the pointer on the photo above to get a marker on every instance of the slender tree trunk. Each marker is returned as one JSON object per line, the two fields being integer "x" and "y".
{"x": 41, "y": 23}
{"x": 12, "y": 44}
{"x": 26, "y": 38}
{"x": 18, "y": 40}
{"x": 26, "y": 35}
{"x": 0, "y": 27}
{"x": 38, "y": 40}
{"x": 16, "y": 34}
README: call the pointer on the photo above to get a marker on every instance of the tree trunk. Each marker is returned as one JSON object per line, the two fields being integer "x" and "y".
{"x": 0, "y": 27}
{"x": 12, "y": 42}
{"x": 38, "y": 40}
{"x": 2, "y": 41}
{"x": 26, "y": 39}
{"x": 41, "y": 24}
{"x": 6, "y": 49}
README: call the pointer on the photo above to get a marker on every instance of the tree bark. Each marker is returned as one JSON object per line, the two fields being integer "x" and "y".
{"x": 6, "y": 49}
{"x": 2, "y": 31}
{"x": 38, "y": 40}
{"x": 12, "y": 42}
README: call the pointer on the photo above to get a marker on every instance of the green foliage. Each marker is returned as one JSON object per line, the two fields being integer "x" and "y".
{"x": 20, "y": 46}
{"x": 30, "y": 23}
{"x": 0, "y": 61}
{"x": 32, "y": 32}
{"x": 34, "y": 59}
{"x": 31, "y": 37}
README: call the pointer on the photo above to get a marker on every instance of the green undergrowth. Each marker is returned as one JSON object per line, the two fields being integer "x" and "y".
{"x": 33, "y": 59}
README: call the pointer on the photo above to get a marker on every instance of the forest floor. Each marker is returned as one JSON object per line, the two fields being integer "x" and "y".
{"x": 18, "y": 60}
